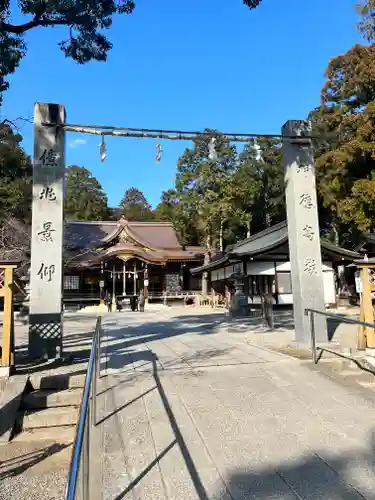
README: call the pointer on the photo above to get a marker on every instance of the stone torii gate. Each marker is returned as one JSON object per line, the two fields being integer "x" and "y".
{"x": 46, "y": 287}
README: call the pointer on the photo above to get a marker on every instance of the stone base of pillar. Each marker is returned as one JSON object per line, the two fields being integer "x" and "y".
{"x": 45, "y": 336}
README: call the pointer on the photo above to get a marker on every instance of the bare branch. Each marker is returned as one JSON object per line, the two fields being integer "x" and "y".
{"x": 36, "y": 21}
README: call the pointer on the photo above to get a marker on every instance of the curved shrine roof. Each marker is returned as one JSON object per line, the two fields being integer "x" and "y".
{"x": 151, "y": 241}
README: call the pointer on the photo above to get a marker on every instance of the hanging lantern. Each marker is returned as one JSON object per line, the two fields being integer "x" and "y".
{"x": 159, "y": 150}
{"x": 103, "y": 150}
{"x": 212, "y": 153}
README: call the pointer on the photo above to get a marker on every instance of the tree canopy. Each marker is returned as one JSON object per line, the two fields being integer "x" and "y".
{"x": 219, "y": 200}
{"x": 134, "y": 206}
{"x": 345, "y": 159}
{"x": 85, "y": 198}
{"x": 15, "y": 176}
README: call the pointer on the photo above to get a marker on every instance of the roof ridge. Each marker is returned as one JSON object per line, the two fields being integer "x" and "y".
{"x": 154, "y": 223}
{"x": 92, "y": 222}
{"x": 112, "y": 222}
{"x": 269, "y": 230}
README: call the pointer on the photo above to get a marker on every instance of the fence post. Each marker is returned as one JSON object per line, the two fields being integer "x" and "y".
{"x": 313, "y": 339}
{"x": 6, "y": 291}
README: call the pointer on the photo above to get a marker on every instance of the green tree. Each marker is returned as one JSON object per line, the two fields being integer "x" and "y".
{"x": 200, "y": 183}
{"x": 166, "y": 209}
{"x": 15, "y": 177}
{"x": 261, "y": 178}
{"x": 359, "y": 206}
{"x": 367, "y": 23}
{"x": 84, "y": 21}
{"x": 85, "y": 198}
{"x": 346, "y": 153}
{"x": 134, "y": 206}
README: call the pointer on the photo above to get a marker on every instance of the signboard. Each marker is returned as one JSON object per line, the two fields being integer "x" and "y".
{"x": 358, "y": 282}
{"x": 145, "y": 282}
{"x": 101, "y": 284}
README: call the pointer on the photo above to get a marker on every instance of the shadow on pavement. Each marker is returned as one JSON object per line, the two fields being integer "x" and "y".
{"x": 316, "y": 476}
{"x": 17, "y": 465}
{"x": 311, "y": 476}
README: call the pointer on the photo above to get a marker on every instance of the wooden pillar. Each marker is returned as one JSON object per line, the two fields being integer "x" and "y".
{"x": 146, "y": 283}
{"x": 124, "y": 278}
{"x": 135, "y": 279}
{"x": 101, "y": 284}
{"x": 6, "y": 291}
{"x": 368, "y": 313}
{"x": 114, "y": 285}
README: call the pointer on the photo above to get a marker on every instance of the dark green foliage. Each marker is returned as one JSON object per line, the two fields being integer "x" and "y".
{"x": 134, "y": 206}
{"x": 85, "y": 198}
{"x": 15, "y": 177}
{"x": 225, "y": 198}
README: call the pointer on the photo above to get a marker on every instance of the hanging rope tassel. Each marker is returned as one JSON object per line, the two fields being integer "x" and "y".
{"x": 103, "y": 150}
{"x": 212, "y": 153}
{"x": 258, "y": 151}
{"x": 159, "y": 150}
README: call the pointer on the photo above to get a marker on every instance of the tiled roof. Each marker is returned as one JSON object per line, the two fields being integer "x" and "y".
{"x": 155, "y": 234}
{"x": 79, "y": 235}
{"x": 160, "y": 237}
{"x": 82, "y": 234}
{"x": 261, "y": 243}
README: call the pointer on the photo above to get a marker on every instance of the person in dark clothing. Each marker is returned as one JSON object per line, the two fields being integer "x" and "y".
{"x": 109, "y": 302}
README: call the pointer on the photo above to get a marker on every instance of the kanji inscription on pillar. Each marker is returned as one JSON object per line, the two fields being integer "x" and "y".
{"x": 45, "y": 329}
{"x": 303, "y": 230}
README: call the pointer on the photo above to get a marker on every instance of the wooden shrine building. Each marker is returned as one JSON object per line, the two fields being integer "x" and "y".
{"x": 126, "y": 257}
{"x": 263, "y": 261}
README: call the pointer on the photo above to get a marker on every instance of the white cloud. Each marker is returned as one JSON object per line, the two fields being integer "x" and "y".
{"x": 77, "y": 143}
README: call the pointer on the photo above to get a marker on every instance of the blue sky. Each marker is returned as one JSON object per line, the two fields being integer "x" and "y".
{"x": 184, "y": 64}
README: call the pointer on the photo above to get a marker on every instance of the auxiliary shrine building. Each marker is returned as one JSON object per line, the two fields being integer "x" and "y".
{"x": 126, "y": 257}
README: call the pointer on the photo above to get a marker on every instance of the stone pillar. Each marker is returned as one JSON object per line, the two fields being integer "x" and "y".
{"x": 303, "y": 231}
{"x": 146, "y": 284}
{"x": 45, "y": 320}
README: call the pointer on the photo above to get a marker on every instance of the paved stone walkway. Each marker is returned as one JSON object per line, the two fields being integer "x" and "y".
{"x": 195, "y": 409}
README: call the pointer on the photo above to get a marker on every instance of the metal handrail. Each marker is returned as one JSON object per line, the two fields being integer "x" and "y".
{"x": 341, "y": 317}
{"x": 81, "y": 447}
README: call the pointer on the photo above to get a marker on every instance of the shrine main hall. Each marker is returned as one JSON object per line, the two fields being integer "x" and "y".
{"x": 124, "y": 258}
